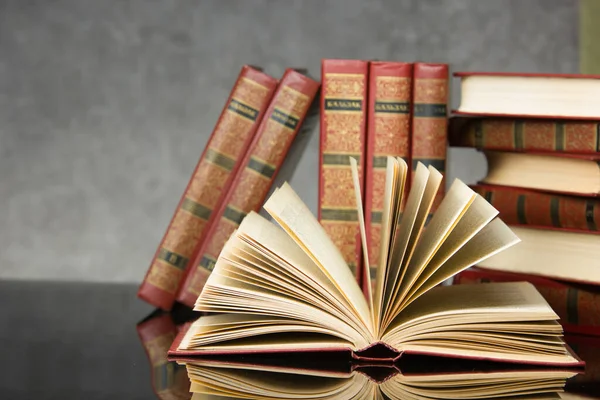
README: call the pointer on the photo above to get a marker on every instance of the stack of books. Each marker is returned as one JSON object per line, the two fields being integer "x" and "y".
{"x": 541, "y": 137}
{"x": 248, "y": 145}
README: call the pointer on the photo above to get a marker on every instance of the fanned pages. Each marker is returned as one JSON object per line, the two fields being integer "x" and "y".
{"x": 287, "y": 288}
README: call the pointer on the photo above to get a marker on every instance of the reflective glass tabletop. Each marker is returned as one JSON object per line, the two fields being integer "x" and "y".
{"x": 96, "y": 341}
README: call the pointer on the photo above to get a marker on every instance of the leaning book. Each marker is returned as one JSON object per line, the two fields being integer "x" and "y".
{"x": 287, "y": 288}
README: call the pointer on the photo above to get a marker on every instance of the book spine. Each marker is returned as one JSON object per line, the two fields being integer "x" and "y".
{"x": 218, "y": 164}
{"x": 577, "y": 306}
{"x": 388, "y": 134}
{"x": 430, "y": 120}
{"x": 508, "y": 134}
{"x": 267, "y": 152}
{"x": 156, "y": 335}
{"x": 343, "y": 135}
{"x": 527, "y": 207}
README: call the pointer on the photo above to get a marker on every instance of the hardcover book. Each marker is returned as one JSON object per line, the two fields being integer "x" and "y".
{"x": 537, "y": 135}
{"x": 276, "y": 132}
{"x": 343, "y": 134}
{"x": 534, "y": 208}
{"x": 429, "y": 139}
{"x": 219, "y": 163}
{"x": 388, "y": 134}
{"x": 423, "y": 378}
{"x": 567, "y": 96}
{"x": 289, "y": 290}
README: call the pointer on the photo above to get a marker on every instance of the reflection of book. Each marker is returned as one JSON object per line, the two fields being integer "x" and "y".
{"x": 169, "y": 380}
{"x": 290, "y": 290}
{"x": 426, "y": 380}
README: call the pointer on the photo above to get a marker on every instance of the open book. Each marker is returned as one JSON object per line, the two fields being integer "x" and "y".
{"x": 288, "y": 289}
{"x": 219, "y": 380}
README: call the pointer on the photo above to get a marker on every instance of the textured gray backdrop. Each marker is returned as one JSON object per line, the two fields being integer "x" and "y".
{"x": 105, "y": 106}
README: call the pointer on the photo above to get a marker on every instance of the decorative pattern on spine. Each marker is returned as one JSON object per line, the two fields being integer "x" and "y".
{"x": 540, "y": 209}
{"x": 578, "y": 306}
{"x": 169, "y": 379}
{"x": 220, "y": 161}
{"x": 343, "y": 135}
{"x": 430, "y": 119}
{"x": 507, "y": 134}
{"x": 267, "y": 152}
{"x": 388, "y": 134}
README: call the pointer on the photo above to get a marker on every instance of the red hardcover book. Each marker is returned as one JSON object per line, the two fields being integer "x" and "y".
{"x": 219, "y": 163}
{"x": 169, "y": 379}
{"x": 527, "y": 95}
{"x": 388, "y": 134}
{"x": 343, "y": 135}
{"x": 519, "y": 206}
{"x": 512, "y": 134}
{"x": 578, "y": 306}
{"x": 430, "y": 119}
{"x": 265, "y": 155}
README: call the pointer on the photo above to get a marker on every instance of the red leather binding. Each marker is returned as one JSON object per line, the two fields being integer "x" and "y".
{"x": 266, "y": 153}
{"x": 430, "y": 120}
{"x": 343, "y": 134}
{"x": 218, "y": 164}
{"x": 388, "y": 134}
{"x": 524, "y": 135}
{"x": 543, "y": 210}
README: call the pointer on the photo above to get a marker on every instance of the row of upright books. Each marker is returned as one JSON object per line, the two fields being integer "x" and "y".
{"x": 541, "y": 138}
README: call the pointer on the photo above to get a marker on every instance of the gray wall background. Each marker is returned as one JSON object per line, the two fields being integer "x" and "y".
{"x": 105, "y": 106}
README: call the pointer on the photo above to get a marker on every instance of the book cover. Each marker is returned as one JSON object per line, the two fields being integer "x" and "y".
{"x": 267, "y": 152}
{"x": 388, "y": 134}
{"x": 519, "y": 206}
{"x": 219, "y": 162}
{"x": 512, "y": 134}
{"x": 343, "y": 135}
{"x": 430, "y": 119}
{"x": 578, "y": 306}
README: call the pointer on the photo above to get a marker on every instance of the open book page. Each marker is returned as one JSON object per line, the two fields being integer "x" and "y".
{"x": 363, "y": 235}
{"x": 490, "y": 240}
{"x": 433, "y": 324}
{"x": 296, "y": 219}
{"x": 401, "y": 237}
{"x": 285, "y": 257}
{"x": 395, "y": 181}
{"x": 452, "y": 208}
{"x": 478, "y": 215}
